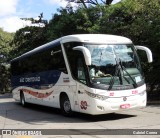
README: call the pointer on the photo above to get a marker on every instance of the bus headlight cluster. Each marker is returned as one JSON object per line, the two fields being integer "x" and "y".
{"x": 97, "y": 96}
{"x": 142, "y": 93}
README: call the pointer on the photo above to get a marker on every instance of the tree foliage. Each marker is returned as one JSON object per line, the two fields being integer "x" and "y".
{"x": 5, "y": 48}
{"x": 68, "y": 22}
{"x": 27, "y": 39}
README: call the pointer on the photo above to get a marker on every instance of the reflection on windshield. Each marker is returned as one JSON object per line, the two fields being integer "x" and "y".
{"x": 105, "y": 64}
{"x": 102, "y": 55}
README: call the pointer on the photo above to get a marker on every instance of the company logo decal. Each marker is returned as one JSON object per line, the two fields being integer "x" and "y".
{"x": 37, "y": 94}
{"x": 111, "y": 94}
{"x": 135, "y": 92}
{"x": 83, "y": 105}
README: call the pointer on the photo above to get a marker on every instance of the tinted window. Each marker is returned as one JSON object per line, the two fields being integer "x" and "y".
{"x": 50, "y": 59}
{"x": 76, "y": 62}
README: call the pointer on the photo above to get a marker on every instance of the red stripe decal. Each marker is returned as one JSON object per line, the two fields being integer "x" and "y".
{"x": 37, "y": 94}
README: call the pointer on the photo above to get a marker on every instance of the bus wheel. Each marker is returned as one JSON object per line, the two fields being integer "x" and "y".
{"x": 22, "y": 99}
{"x": 65, "y": 106}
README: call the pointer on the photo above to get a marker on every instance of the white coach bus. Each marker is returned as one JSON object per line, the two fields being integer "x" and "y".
{"x": 88, "y": 73}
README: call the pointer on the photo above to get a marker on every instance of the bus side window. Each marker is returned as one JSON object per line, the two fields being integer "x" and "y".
{"x": 81, "y": 71}
{"x": 76, "y": 62}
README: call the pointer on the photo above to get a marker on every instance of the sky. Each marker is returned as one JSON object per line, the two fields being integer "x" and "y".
{"x": 12, "y": 10}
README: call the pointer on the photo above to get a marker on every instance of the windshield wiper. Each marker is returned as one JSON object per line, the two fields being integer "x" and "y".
{"x": 123, "y": 68}
{"x": 118, "y": 70}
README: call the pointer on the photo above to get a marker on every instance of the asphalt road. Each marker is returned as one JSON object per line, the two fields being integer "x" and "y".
{"x": 33, "y": 117}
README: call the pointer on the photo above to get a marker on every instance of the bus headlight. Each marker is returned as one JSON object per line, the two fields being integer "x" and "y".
{"x": 97, "y": 96}
{"x": 142, "y": 93}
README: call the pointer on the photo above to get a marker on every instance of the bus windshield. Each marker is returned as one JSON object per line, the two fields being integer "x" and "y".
{"x": 114, "y": 65}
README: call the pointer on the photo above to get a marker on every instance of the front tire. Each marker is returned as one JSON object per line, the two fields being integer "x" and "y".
{"x": 65, "y": 106}
{"x": 22, "y": 99}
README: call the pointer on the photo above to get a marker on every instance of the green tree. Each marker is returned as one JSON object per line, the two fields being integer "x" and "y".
{"x": 4, "y": 78}
{"x": 5, "y": 48}
{"x": 68, "y": 22}
{"x": 27, "y": 39}
{"x": 62, "y": 23}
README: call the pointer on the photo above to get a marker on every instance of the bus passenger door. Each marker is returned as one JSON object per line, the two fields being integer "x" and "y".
{"x": 81, "y": 84}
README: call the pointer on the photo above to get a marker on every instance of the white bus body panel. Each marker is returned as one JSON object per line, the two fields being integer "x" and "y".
{"x": 47, "y": 96}
{"x": 116, "y": 101}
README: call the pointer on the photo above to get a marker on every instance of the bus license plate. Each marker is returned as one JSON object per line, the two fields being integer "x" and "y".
{"x": 125, "y": 106}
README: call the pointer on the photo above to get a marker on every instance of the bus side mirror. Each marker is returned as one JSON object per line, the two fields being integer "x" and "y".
{"x": 148, "y": 52}
{"x": 86, "y": 53}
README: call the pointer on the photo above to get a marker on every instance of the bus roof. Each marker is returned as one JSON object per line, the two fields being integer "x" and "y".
{"x": 97, "y": 38}
{"x": 88, "y": 38}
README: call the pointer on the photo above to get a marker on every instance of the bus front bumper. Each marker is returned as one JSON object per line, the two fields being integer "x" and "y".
{"x": 116, "y": 104}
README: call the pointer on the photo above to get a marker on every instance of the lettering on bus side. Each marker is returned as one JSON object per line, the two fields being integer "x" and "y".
{"x": 21, "y": 80}
{"x": 30, "y": 79}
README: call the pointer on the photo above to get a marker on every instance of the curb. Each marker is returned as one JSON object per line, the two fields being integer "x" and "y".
{"x": 6, "y": 95}
{"x": 153, "y": 102}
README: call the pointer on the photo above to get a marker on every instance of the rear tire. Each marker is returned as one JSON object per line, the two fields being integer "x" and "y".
{"x": 22, "y": 99}
{"x": 65, "y": 106}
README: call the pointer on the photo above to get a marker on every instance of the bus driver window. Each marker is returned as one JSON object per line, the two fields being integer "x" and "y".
{"x": 81, "y": 71}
